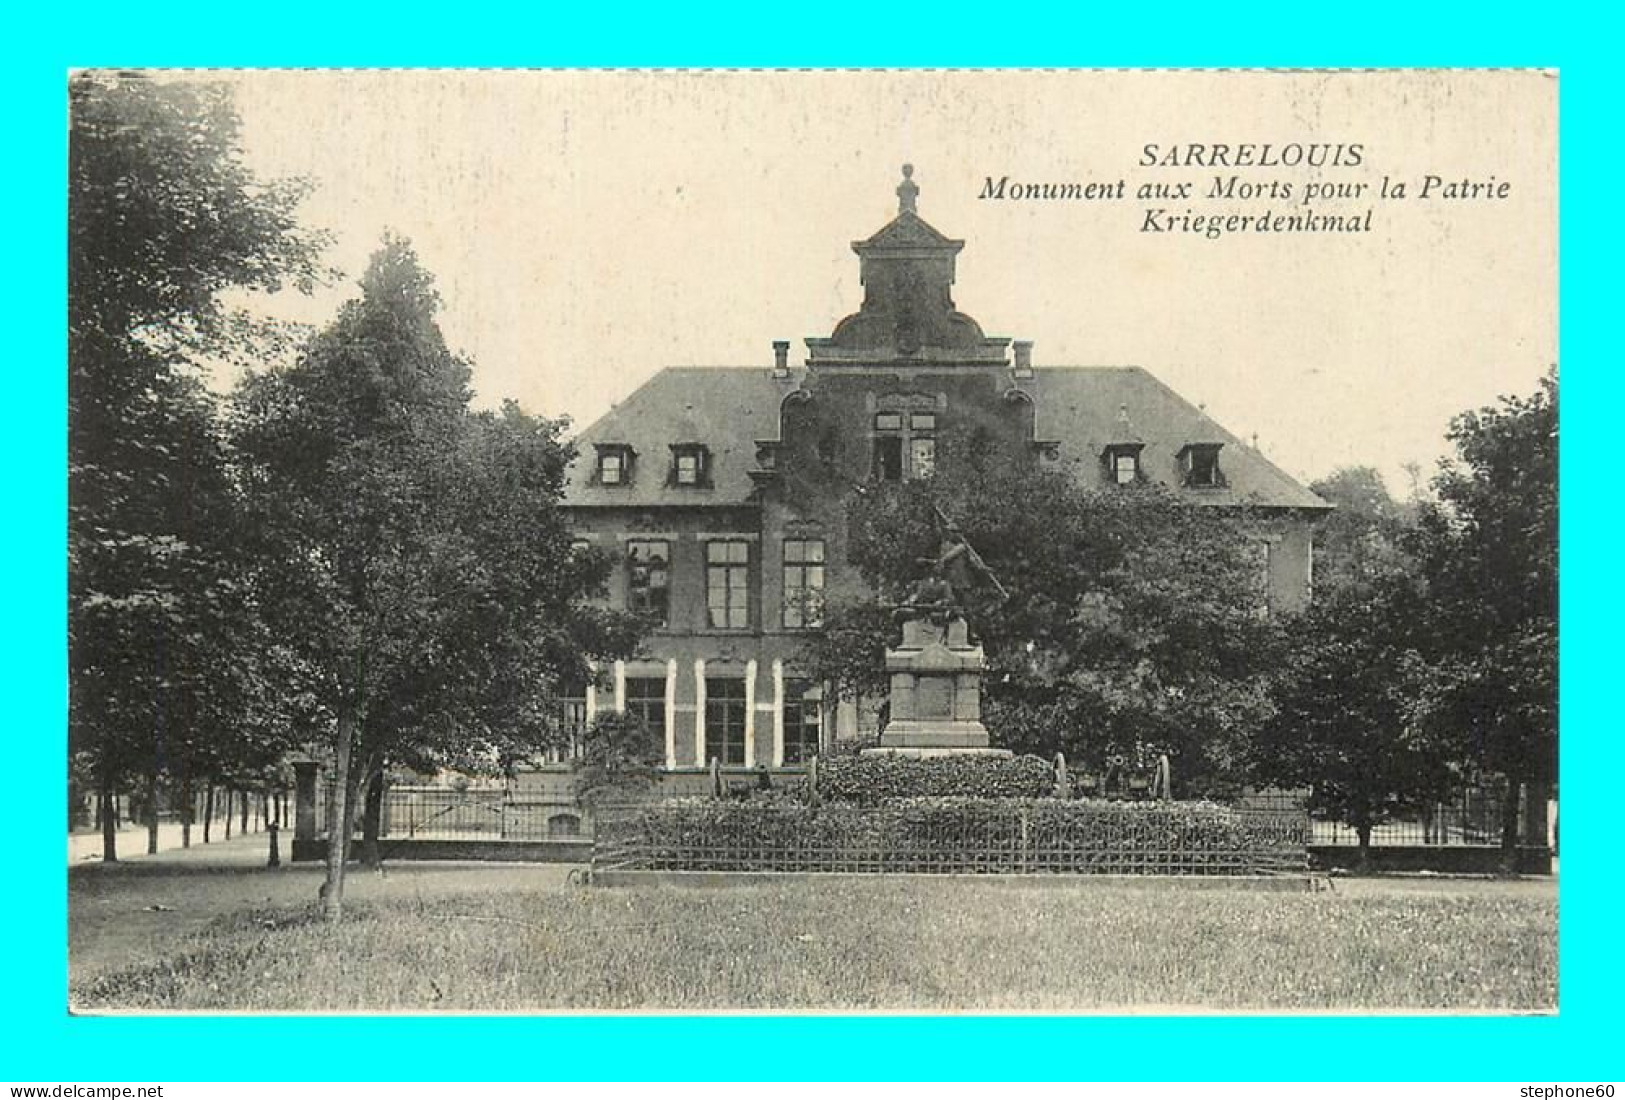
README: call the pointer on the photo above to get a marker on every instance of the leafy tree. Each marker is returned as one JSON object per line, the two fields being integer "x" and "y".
{"x": 162, "y": 218}
{"x": 1489, "y": 554}
{"x": 1367, "y": 538}
{"x": 1346, "y": 725}
{"x": 620, "y": 758}
{"x": 1132, "y": 626}
{"x": 413, "y": 554}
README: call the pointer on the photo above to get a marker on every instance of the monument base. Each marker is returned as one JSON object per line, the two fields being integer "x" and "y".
{"x": 919, "y": 739}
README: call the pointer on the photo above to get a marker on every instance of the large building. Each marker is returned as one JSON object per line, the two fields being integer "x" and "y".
{"x": 692, "y": 483}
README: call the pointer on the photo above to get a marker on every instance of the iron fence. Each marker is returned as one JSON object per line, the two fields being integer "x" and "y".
{"x": 1468, "y": 816}
{"x": 446, "y": 813}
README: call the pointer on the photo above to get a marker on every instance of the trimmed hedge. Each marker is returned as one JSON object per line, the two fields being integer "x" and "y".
{"x": 957, "y": 836}
{"x": 868, "y": 779}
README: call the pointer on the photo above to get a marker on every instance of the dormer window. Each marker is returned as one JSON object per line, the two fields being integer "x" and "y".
{"x": 1122, "y": 462}
{"x": 1199, "y": 462}
{"x": 614, "y": 463}
{"x": 690, "y": 465}
{"x": 905, "y": 445}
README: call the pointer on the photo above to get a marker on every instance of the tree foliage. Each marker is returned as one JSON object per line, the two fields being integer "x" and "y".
{"x": 162, "y": 219}
{"x": 1133, "y": 623}
{"x": 1489, "y": 553}
{"x": 620, "y": 758}
{"x": 412, "y": 551}
{"x": 1346, "y": 726}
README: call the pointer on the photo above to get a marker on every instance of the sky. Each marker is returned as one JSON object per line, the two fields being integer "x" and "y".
{"x": 588, "y": 228}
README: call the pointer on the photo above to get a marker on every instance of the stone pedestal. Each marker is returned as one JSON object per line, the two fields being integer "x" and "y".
{"x": 936, "y": 693}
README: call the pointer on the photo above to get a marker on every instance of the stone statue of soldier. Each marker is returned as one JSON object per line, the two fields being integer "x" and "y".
{"x": 957, "y": 567}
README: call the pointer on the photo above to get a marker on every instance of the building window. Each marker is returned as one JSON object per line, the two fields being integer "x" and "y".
{"x": 614, "y": 464}
{"x": 727, "y": 584}
{"x": 900, "y": 436}
{"x": 803, "y": 720}
{"x": 646, "y": 699}
{"x": 922, "y": 456}
{"x": 803, "y": 583}
{"x": 1200, "y": 462}
{"x": 690, "y": 465}
{"x": 1264, "y": 557}
{"x": 888, "y": 458}
{"x": 725, "y": 720}
{"x": 648, "y": 578}
{"x": 570, "y": 716}
{"x": 1122, "y": 462}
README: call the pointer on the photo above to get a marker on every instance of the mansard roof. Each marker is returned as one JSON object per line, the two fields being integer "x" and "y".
{"x": 908, "y": 319}
{"x": 1080, "y": 408}
{"x": 732, "y": 409}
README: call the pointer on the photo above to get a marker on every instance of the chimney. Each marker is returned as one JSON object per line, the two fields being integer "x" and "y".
{"x": 781, "y": 359}
{"x": 1024, "y": 358}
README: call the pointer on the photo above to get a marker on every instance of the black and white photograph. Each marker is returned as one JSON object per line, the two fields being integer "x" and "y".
{"x": 849, "y": 541}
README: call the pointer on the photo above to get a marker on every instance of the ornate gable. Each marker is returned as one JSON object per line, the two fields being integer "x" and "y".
{"x": 907, "y": 271}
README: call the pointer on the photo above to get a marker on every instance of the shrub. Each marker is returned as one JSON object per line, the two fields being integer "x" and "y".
{"x": 964, "y": 835}
{"x": 868, "y": 779}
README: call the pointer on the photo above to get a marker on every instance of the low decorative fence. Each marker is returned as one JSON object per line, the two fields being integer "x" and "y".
{"x": 1467, "y": 817}
{"x": 472, "y": 814}
{"x": 1471, "y": 817}
{"x": 427, "y": 813}
{"x": 954, "y": 836}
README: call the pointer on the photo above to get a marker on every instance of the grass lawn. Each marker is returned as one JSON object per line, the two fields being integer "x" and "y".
{"x": 503, "y": 938}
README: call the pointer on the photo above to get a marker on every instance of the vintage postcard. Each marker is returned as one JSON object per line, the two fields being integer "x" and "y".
{"x": 808, "y": 541}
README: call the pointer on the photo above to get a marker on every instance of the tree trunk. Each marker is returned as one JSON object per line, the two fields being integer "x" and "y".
{"x": 1362, "y": 829}
{"x": 152, "y": 813}
{"x": 338, "y": 818}
{"x": 229, "y": 793}
{"x": 184, "y": 800}
{"x": 208, "y": 809}
{"x": 372, "y": 819}
{"x": 109, "y": 808}
{"x": 244, "y": 829}
{"x": 1509, "y": 826}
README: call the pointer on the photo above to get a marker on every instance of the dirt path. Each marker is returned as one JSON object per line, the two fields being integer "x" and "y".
{"x": 86, "y": 847}
{"x": 125, "y": 914}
